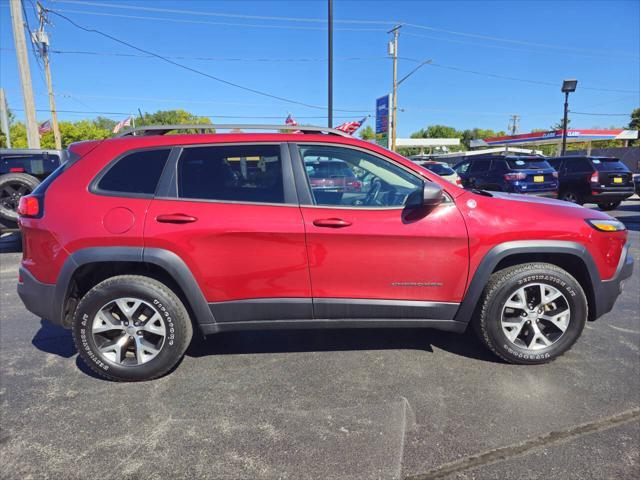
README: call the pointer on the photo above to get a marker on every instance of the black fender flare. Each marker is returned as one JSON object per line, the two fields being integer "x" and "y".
{"x": 164, "y": 259}
{"x": 503, "y": 250}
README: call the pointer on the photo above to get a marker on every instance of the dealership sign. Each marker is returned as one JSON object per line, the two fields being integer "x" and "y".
{"x": 383, "y": 106}
{"x": 555, "y": 136}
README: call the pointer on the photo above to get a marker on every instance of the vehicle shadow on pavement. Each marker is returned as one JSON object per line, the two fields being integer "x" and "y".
{"x": 59, "y": 341}
{"x": 288, "y": 341}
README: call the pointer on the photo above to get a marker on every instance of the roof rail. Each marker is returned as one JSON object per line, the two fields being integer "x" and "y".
{"x": 164, "y": 129}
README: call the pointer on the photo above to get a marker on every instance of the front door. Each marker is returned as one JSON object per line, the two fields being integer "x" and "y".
{"x": 229, "y": 214}
{"x": 369, "y": 255}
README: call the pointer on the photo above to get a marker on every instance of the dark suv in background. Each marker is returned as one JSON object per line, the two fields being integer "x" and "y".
{"x": 605, "y": 181}
{"x": 513, "y": 174}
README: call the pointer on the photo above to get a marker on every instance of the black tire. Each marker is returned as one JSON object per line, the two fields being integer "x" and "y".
{"x": 178, "y": 327}
{"x": 571, "y": 196}
{"x": 502, "y": 286}
{"x": 609, "y": 206}
{"x": 12, "y": 187}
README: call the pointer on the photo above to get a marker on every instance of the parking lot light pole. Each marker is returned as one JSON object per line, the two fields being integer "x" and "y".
{"x": 568, "y": 86}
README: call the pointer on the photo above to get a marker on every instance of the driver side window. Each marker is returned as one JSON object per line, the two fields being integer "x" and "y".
{"x": 340, "y": 176}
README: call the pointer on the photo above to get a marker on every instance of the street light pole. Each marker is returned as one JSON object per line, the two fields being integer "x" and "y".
{"x": 568, "y": 86}
{"x": 394, "y": 99}
{"x": 564, "y": 124}
{"x": 330, "y": 69}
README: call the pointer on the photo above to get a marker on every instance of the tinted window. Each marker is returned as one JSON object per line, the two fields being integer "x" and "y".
{"x": 137, "y": 172}
{"x": 359, "y": 179}
{"x": 577, "y": 165}
{"x": 555, "y": 163}
{"x": 609, "y": 165}
{"x": 480, "y": 166}
{"x": 240, "y": 173}
{"x": 438, "y": 168}
{"x": 526, "y": 163}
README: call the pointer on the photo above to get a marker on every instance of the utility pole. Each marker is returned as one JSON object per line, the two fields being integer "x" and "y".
{"x": 330, "y": 79}
{"x": 17, "y": 21}
{"x": 42, "y": 39}
{"x": 4, "y": 117}
{"x": 393, "y": 50}
{"x": 514, "y": 122}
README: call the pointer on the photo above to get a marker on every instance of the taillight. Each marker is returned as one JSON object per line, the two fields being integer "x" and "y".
{"x": 458, "y": 181}
{"x": 594, "y": 177}
{"x": 515, "y": 176}
{"x": 29, "y": 206}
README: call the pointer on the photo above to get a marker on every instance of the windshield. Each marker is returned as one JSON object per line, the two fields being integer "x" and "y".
{"x": 527, "y": 163}
{"x": 438, "y": 168}
{"x": 609, "y": 165}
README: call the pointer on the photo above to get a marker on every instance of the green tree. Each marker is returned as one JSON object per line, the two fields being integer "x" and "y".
{"x": 634, "y": 124}
{"x": 367, "y": 133}
{"x": 171, "y": 117}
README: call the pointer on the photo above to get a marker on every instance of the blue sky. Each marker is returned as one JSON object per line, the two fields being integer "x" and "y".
{"x": 596, "y": 42}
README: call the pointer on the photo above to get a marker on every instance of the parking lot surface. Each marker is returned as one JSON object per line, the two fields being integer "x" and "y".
{"x": 361, "y": 404}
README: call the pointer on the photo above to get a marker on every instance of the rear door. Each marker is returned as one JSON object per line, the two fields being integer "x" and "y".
{"x": 478, "y": 173}
{"x": 369, "y": 256}
{"x": 231, "y": 213}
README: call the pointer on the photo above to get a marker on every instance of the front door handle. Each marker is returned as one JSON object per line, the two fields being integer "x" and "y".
{"x": 175, "y": 218}
{"x": 331, "y": 223}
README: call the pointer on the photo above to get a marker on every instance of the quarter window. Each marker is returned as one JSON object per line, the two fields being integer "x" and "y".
{"x": 348, "y": 177}
{"x": 136, "y": 173}
{"x": 241, "y": 173}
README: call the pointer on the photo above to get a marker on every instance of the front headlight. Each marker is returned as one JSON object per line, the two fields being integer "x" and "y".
{"x": 607, "y": 225}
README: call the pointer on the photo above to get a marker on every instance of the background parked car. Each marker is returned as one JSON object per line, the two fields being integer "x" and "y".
{"x": 332, "y": 175}
{"x": 513, "y": 174}
{"x": 442, "y": 169}
{"x": 602, "y": 180}
{"x": 636, "y": 182}
{"x": 21, "y": 171}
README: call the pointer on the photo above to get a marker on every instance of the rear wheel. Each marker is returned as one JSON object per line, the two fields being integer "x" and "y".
{"x": 609, "y": 206}
{"x": 131, "y": 328}
{"x": 531, "y": 313}
{"x": 573, "y": 197}
{"x": 13, "y": 186}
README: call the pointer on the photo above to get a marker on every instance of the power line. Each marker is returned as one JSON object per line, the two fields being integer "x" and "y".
{"x": 194, "y": 70}
{"x": 208, "y": 22}
{"x": 601, "y": 114}
{"x": 347, "y": 21}
{"x": 94, "y": 112}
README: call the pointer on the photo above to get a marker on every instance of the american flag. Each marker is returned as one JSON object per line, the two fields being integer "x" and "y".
{"x": 124, "y": 123}
{"x": 351, "y": 127}
{"x": 44, "y": 127}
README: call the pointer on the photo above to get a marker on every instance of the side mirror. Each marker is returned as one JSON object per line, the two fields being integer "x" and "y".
{"x": 432, "y": 194}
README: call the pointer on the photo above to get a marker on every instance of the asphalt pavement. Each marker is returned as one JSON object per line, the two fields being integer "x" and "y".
{"x": 329, "y": 404}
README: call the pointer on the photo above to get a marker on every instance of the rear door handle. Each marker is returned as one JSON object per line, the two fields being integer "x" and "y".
{"x": 331, "y": 223}
{"x": 175, "y": 218}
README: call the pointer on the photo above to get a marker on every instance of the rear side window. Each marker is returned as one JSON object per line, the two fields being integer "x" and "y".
{"x": 239, "y": 173}
{"x": 480, "y": 166}
{"x": 136, "y": 173}
{"x": 577, "y": 165}
{"x": 609, "y": 165}
{"x": 555, "y": 163}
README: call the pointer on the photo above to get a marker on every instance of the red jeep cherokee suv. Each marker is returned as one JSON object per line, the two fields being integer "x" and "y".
{"x": 138, "y": 240}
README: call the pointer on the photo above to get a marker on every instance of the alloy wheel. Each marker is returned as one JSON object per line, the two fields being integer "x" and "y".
{"x": 10, "y": 195}
{"x": 128, "y": 331}
{"x": 535, "y": 316}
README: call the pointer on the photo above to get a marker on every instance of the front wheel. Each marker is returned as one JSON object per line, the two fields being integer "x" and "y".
{"x": 131, "y": 328}
{"x": 609, "y": 206}
{"x": 531, "y": 313}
